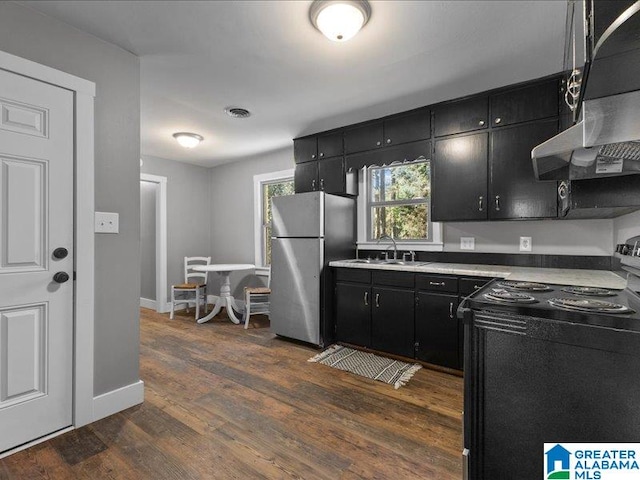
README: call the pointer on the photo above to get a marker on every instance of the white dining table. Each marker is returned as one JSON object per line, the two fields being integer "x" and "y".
{"x": 225, "y": 299}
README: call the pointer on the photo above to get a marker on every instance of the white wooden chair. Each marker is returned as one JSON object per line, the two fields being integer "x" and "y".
{"x": 256, "y": 300}
{"x": 194, "y": 288}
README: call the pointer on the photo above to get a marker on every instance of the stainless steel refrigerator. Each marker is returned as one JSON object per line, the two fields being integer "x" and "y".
{"x": 308, "y": 231}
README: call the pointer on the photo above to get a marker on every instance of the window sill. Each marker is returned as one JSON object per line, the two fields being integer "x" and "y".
{"x": 262, "y": 271}
{"x": 403, "y": 246}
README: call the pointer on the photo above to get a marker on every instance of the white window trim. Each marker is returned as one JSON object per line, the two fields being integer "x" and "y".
{"x": 436, "y": 244}
{"x": 258, "y": 180}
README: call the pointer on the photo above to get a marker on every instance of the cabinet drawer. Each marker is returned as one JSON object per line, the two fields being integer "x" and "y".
{"x": 469, "y": 285}
{"x": 366, "y": 137}
{"x": 357, "y": 275}
{"x": 437, "y": 283}
{"x": 461, "y": 116}
{"x": 393, "y": 279}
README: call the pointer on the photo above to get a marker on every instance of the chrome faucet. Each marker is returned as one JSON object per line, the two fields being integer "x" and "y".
{"x": 395, "y": 246}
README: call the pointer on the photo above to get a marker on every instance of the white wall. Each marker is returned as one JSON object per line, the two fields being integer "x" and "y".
{"x": 42, "y": 39}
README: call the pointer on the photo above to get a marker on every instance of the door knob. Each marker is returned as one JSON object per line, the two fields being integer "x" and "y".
{"x": 60, "y": 253}
{"x": 61, "y": 277}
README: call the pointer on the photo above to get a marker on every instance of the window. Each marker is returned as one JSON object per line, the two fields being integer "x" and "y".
{"x": 267, "y": 186}
{"x": 398, "y": 202}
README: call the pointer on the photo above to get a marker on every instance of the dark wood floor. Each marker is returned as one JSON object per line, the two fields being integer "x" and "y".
{"x": 225, "y": 403}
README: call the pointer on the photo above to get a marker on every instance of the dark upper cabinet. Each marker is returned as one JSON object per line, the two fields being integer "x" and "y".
{"x": 437, "y": 329}
{"x": 392, "y": 323}
{"x": 364, "y": 137}
{"x": 353, "y": 314}
{"x": 461, "y": 116}
{"x": 409, "y": 127}
{"x": 459, "y": 182}
{"x": 524, "y": 104}
{"x": 398, "y": 153}
{"x": 331, "y": 178}
{"x": 305, "y": 149}
{"x": 513, "y": 191}
{"x": 306, "y": 177}
{"x": 330, "y": 145}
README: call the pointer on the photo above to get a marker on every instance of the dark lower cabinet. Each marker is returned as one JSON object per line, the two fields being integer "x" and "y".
{"x": 459, "y": 182}
{"x": 437, "y": 329}
{"x": 353, "y": 314}
{"x": 392, "y": 324}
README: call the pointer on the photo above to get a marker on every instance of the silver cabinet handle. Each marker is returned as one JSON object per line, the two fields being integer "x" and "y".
{"x": 388, "y": 140}
{"x": 313, "y": 184}
{"x": 437, "y": 284}
{"x": 450, "y": 309}
{"x": 313, "y": 156}
{"x": 497, "y": 203}
{"x": 321, "y": 154}
{"x": 377, "y": 300}
{"x": 366, "y": 298}
{"x": 378, "y": 143}
{"x": 480, "y": 203}
{"x": 322, "y": 184}
{"x": 498, "y": 120}
{"x": 481, "y": 123}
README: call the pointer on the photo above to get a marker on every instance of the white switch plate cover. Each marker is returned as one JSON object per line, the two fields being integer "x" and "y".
{"x": 107, "y": 222}
{"x": 467, "y": 243}
{"x": 525, "y": 244}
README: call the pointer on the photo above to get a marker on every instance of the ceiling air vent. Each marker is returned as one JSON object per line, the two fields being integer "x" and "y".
{"x": 237, "y": 112}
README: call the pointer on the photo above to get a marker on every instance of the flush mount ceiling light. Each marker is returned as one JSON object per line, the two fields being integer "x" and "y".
{"x": 188, "y": 140}
{"x": 339, "y": 20}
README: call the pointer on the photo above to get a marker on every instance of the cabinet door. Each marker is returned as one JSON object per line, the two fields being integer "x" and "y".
{"x": 353, "y": 314}
{"x": 330, "y": 145}
{"x": 525, "y": 104}
{"x": 366, "y": 137}
{"x": 305, "y": 149}
{"x": 437, "y": 327}
{"x": 408, "y": 128}
{"x": 331, "y": 175}
{"x": 306, "y": 177}
{"x": 392, "y": 328}
{"x": 459, "y": 185}
{"x": 461, "y": 116}
{"x": 514, "y": 191}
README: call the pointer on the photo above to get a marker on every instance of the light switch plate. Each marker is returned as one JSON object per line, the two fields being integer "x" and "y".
{"x": 525, "y": 244}
{"x": 467, "y": 243}
{"x": 107, "y": 222}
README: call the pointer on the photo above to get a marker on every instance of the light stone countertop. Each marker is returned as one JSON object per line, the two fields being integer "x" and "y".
{"x": 557, "y": 276}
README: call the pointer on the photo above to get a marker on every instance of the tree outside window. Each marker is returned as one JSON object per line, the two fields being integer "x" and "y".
{"x": 270, "y": 190}
{"x": 399, "y": 201}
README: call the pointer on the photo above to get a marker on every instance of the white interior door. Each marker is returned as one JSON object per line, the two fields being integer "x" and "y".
{"x": 36, "y": 218}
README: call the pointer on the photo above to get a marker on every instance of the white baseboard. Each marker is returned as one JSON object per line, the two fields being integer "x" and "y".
{"x": 147, "y": 303}
{"x": 118, "y": 400}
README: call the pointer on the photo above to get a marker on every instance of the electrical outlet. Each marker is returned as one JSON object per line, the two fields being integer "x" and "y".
{"x": 525, "y": 244}
{"x": 107, "y": 222}
{"x": 467, "y": 243}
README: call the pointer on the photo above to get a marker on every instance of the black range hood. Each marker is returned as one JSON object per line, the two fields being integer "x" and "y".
{"x": 606, "y": 141}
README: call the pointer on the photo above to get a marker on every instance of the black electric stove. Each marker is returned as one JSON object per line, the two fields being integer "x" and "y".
{"x": 544, "y": 364}
{"x": 611, "y": 308}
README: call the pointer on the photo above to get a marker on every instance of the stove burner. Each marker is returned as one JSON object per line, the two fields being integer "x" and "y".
{"x": 526, "y": 286}
{"x": 589, "y": 305}
{"x": 589, "y": 291}
{"x": 505, "y": 296}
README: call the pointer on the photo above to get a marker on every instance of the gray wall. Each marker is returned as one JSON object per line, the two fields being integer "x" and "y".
{"x": 148, "y": 192}
{"x": 188, "y": 212}
{"x": 232, "y": 236}
{"x": 31, "y": 35}
{"x": 626, "y": 227}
